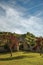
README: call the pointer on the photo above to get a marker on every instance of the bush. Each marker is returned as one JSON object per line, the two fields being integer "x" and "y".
{"x": 6, "y": 46}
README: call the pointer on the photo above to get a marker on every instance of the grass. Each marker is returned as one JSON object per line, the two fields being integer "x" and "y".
{"x": 21, "y": 58}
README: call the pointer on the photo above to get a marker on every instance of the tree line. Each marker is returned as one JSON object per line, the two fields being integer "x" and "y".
{"x": 36, "y": 43}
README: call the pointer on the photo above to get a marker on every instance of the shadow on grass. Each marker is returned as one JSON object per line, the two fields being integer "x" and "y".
{"x": 32, "y": 52}
{"x": 16, "y": 58}
{"x": 12, "y": 58}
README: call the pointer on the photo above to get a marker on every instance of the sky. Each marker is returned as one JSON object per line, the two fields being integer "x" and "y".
{"x": 21, "y": 16}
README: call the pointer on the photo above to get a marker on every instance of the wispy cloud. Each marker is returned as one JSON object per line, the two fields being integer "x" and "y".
{"x": 35, "y": 6}
{"x": 15, "y": 21}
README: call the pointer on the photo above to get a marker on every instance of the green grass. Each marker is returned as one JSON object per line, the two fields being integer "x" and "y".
{"x": 21, "y": 58}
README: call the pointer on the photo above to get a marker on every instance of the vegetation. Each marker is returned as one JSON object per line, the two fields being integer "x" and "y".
{"x": 24, "y": 57}
{"x": 29, "y": 37}
{"x": 21, "y": 58}
{"x": 8, "y": 40}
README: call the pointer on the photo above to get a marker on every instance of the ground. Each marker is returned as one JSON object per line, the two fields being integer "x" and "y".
{"x": 21, "y": 58}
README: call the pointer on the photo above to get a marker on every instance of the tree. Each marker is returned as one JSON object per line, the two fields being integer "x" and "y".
{"x": 39, "y": 43}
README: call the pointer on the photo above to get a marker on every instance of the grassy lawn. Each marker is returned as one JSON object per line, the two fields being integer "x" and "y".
{"x": 21, "y": 58}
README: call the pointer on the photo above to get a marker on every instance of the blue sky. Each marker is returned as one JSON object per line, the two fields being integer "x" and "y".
{"x": 22, "y": 16}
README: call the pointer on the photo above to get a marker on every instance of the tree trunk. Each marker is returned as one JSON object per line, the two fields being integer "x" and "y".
{"x": 11, "y": 52}
{"x": 17, "y": 47}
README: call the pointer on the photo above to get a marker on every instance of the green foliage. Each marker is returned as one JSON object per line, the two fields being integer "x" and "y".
{"x": 29, "y": 37}
{"x": 6, "y": 46}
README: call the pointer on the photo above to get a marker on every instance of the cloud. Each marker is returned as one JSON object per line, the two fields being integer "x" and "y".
{"x": 11, "y": 21}
{"x": 36, "y": 6}
{"x": 15, "y": 22}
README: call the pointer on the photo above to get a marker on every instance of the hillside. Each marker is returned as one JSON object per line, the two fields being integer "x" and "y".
{"x": 29, "y": 37}
{"x": 26, "y": 41}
